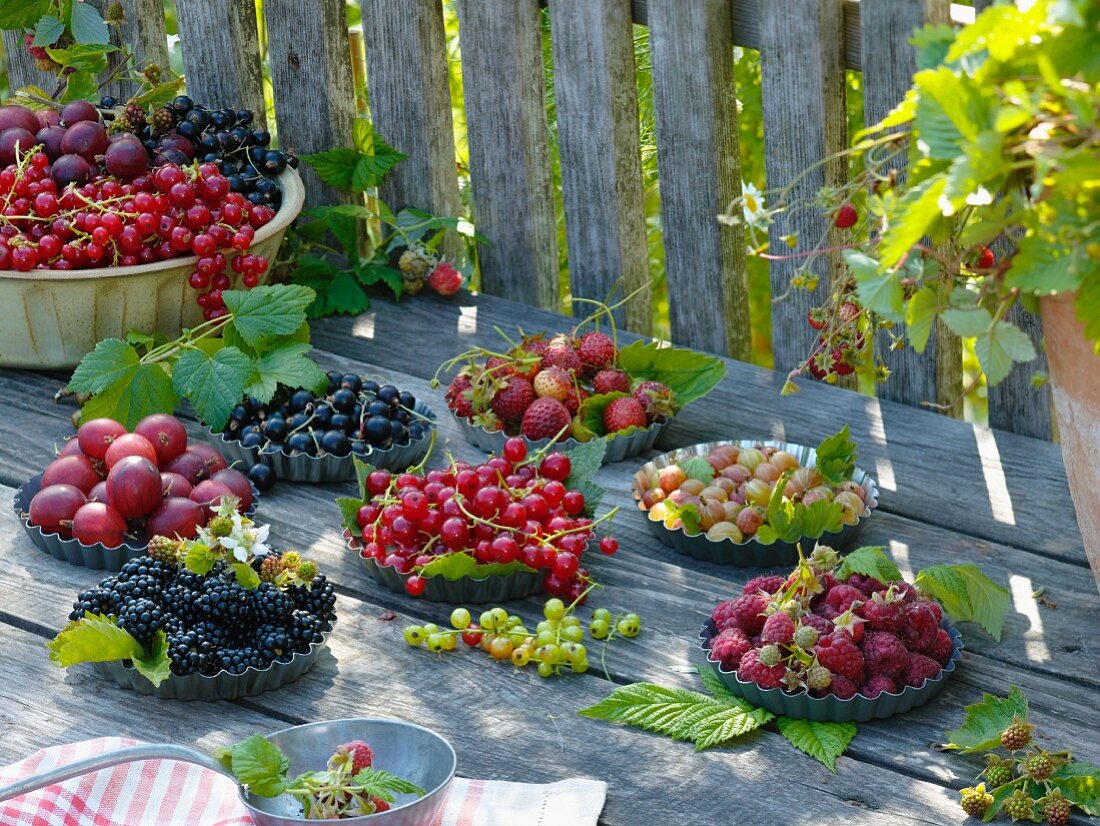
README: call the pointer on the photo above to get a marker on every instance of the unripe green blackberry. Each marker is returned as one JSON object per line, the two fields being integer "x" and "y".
{"x": 1056, "y": 809}
{"x": 220, "y": 526}
{"x": 976, "y": 800}
{"x": 307, "y": 571}
{"x": 163, "y": 119}
{"x": 1019, "y": 806}
{"x": 805, "y": 637}
{"x": 1037, "y": 766}
{"x": 770, "y": 655}
{"x": 1017, "y": 735}
{"x": 291, "y": 560}
{"x": 164, "y": 549}
{"x": 998, "y": 771}
{"x": 818, "y": 677}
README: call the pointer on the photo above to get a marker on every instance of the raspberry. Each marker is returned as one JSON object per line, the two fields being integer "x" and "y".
{"x": 458, "y": 399}
{"x": 770, "y": 655}
{"x": 560, "y": 353}
{"x": 1038, "y": 766}
{"x": 842, "y": 687}
{"x": 622, "y": 414}
{"x": 415, "y": 262}
{"x": 356, "y": 752}
{"x": 876, "y": 684}
{"x": 729, "y": 646}
{"x": 164, "y": 549}
{"x": 380, "y": 805}
{"x": 1019, "y": 806}
{"x": 657, "y": 399}
{"x": 942, "y": 648}
{"x": 270, "y": 568}
{"x": 921, "y": 668}
{"x": 883, "y": 613}
{"x": 975, "y": 800}
{"x": 904, "y": 591}
{"x": 754, "y": 671}
{"x": 998, "y": 771}
{"x": 841, "y": 656}
{"x": 1017, "y": 735}
{"x": 596, "y": 350}
{"x": 818, "y": 678}
{"x": 445, "y": 279}
{"x": 778, "y": 628}
{"x": 1056, "y": 809}
{"x": 851, "y": 625}
{"x": 867, "y": 584}
{"x": 510, "y": 403}
{"x": 919, "y": 627}
{"x": 840, "y": 599}
{"x": 823, "y": 627}
{"x": 611, "y": 381}
{"x": 884, "y": 654}
{"x": 545, "y": 418}
{"x": 806, "y": 637}
{"x": 553, "y": 382}
{"x": 763, "y": 584}
{"x": 744, "y": 612}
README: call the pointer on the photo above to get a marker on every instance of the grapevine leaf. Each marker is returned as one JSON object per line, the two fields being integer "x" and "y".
{"x": 591, "y": 411}
{"x": 87, "y": 25}
{"x": 94, "y": 638}
{"x": 870, "y": 560}
{"x": 967, "y": 595}
{"x": 461, "y": 566}
{"x": 112, "y": 360}
{"x": 824, "y": 742}
{"x": 334, "y": 166}
{"x": 697, "y": 467}
{"x": 381, "y": 784}
{"x": 690, "y": 375}
{"x": 47, "y": 30}
{"x": 130, "y": 398}
{"x": 836, "y": 457}
{"x": 1080, "y": 783}
{"x": 156, "y": 665}
{"x": 268, "y": 311}
{"x": 214, "y": 384}
{"x": 259, "y": 764}
{"x": 288, "y": 365}
{"x": 985, "y": 721}
{"x": 584, "y": 460}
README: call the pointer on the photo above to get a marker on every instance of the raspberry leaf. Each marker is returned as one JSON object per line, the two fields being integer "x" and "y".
{"x": 1080, "y": 783}
{"x": 690, "y": 375}
{"x": 870, "y": 560}
{"x": 985, "y": 721}
{"x": 97, "y": 638}
{"x": 824, "y": 742}
{"x": 156, "y": 665}
{"x": 461, "y": 565}
{"x": 967, "y": 595}
{"x": 260, "y": 764}
{"x": 383, "y": 785}
{"x": 334, "y": 166}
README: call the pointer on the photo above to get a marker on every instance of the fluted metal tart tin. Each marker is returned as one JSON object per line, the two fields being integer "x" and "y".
{"x": 327, "y": 468}
{"x": 618, "y": 447}
{"x": 752, "y": 553}
{"x": 220, "y": 686}
{"x": 830, "y": 708}
{"x": 98, "y": 556}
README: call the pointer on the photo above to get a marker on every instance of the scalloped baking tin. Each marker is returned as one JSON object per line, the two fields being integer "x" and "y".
{"x": 830, "y": 708}
{"x": 97, "y": 556}
{"x": 751, "y": 553}
{"x": 327, "y": 468}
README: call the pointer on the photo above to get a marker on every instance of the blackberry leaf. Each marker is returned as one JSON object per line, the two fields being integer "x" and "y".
{"x": 383, "y": 785}
{"x": 985, "y": 721}
{"x": 1080, "y": 783}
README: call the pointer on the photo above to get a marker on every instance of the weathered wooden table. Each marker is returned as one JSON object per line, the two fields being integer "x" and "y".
{"x": 951, "y": 492}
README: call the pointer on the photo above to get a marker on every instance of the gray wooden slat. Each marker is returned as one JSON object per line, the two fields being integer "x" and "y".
{"x": 597, "y": 114}
{"x": 21, "y": 69}
{"x": 888, "y": 65}
{"x": 221, "y": 54}
{"x": 695, "y": 107}
{"x": 143, "y": 33}
{"x": 802, "y": 82}
{"x": 410, "y": 101}
{"x": 502, "y": 75}
{"x": 311, "y": 82}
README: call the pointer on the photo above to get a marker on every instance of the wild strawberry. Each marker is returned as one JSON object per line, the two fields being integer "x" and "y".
{"x": 657, "y": 399}
{"x": 356, "y": 752}
{"x": 574, "y": 399}
{"x": 817, "y": 318}
{"x": 611, "y": 381}
{"x": 560, "y": 353}
{"x": 445, "y": 279}
{"x": 545, "y": 418}
{"x": 458, "y": 396}
{"x": 846, "y": 216}
{"x": 596, "y": 350}
{"x": 553, "y": 382}
{"x": 842, "y": 360}
{"x": 511, "y": 401}
{"x": 848, "y": 311}
{"x": 623, "y": 413}
{"x": 986, "y": 259}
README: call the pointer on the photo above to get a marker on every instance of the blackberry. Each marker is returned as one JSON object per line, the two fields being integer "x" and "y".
{"x": 98, "y": 600}
{"x": 142, "y": 618}
{"x": 1017, "y": 735}
{"x": 1019, "y": 806}
{"x": 224, "y": 601}
{"x": 163, "y": 119}
{"x": 1056, "y": 809}
{"x": 135, "y": 115}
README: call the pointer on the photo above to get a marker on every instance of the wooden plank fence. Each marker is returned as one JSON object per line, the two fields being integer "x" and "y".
{"x": 806, "y": 46}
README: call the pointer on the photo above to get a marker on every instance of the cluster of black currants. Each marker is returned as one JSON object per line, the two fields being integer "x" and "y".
{"x": 184, "y": 131}
{"x": 354, "y": 416}
{"x": 212, "y": 623}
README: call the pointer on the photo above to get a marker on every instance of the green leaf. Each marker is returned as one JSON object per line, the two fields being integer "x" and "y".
{"x": 129, "y": 399}
{"x": 1000, "y": 795}
{"x": 161, "y": 93}
{"x": 381, "y": 784}
{"x": 199, "y": 559}
{"x": 592, "y": 408}
{"x": 950, "y": 112}
{"x": 836, "y": 456}
{"x": 918, "y": 210}
{"x": 80, "y": 85}
{"x": 920, "y": 312}
{"x": 697, "y": 467}
{"x": 247, "y": 578}
{"x": 310, "y": 270}
{"x": 824, "y": 742}
{"x": 985, "y": 721}
{"x": 879, "y": 292}
{"x": 362, "y": 471}
{"x": 214, "y": 385}
{"x": 376, "y": 160}
{"x": 1000, "y": 347}
{"x": 584, "y": 461}
{"x": 690, "y": 375}
{"x": 967, "y": 595}
{"x": 267, "y": 311}
{"x": 1080, "y": 783}
{"x": 870, "y": 560}
{"x": 334, "y": 166}
{"x": 1043, "y": 266}
{"x": 112, "y": 360}
{"x": 22, "y": 14}
{"x": 371, "y": 273}
{"x": 288, "y": 365}
{"x": 967, "y": 322}
{"x": 461, "y": 566}
{"x": 347, "y": 231}
{"x": 87, "y": 57}
{"x": 47, "y": 30}
{"x": 156, "y": 666}
{"x": 820, "y": 518}
{"x": 93, "y": 639}
{"x": 343, "y": 295}
{"x": 349, "y": 509}
{"x": 259, "y": 764}
{"x": 87, "y": 25}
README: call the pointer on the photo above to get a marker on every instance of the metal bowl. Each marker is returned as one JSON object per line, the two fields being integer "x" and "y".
{"x": 409, "y": 751}
{"x": 327, "y": 468}
{"x": 618, "y": 447}
{"x": 830, "y": 708}
{"x": 751, "y": 553}
{"x": 98, "y": 556}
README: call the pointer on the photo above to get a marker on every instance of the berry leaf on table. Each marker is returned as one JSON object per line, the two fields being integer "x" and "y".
{"x": 260, "y": 764}
{"x": 212, "y": 383}
{"x": 156, "y": 666}
{"x": 836, "y": 456}
{"x": 265, "y": 312}
{"x": 383, "y": 785}
{"x": 985, "y": 721}
{"x": 824, "y": 742}
{"x": 967, "y": 595}
{"x": 690, "y": 375}
{"x": 97, "y": 638}
{"x": 461, "y": 565}
{"x": 584, "y": 460}
{"x": 697, "y": 467}
{"x": 1080, "y": 783}
{"x": 870, "y": 560}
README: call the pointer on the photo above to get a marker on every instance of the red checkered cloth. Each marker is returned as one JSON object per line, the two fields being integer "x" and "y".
{"x": 171, "y": 793}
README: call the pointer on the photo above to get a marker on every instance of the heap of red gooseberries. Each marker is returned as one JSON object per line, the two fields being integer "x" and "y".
{"x": 512, "y": 508}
